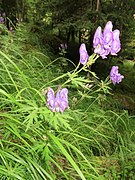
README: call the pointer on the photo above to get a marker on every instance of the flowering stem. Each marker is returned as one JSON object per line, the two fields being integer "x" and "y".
{"x": 76, "y": 67}
{"x": 91, "y": 60}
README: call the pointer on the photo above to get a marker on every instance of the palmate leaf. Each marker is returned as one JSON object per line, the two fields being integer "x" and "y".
{"x": 58, "y": 120}
{"x": 91, "y": 72}
{"x": 81, "y": 81}
{"x": 32, "y": 114}
{"x": 42, "y": 146}
{"x": 30, "y": 119}
{"x": 29, "y": 111}
{"x": 55, "y": 119}
{"x": 27, "y": 105}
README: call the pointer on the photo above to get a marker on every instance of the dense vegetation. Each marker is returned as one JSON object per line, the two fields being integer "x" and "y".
{"x": 94, "y": 136}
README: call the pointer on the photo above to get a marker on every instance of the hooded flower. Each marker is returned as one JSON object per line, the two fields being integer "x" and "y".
{"x": 98, "y": 44}
{"x": 115, "y": 76}
{"x": 116, "y": 46}
{"x": 106, "y": 42}
{"x": 58, "y": 103}
{"x": 63, "y": 46}
{"x": 97, "y": 41}
{"x": 83, "y": 54}
{"x": 108, "y": 35}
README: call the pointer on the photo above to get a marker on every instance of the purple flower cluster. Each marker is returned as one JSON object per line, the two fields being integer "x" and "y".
{"x": 2, "y": 20}
{"x": 115, "y": 76}
{"x": 58, "y": 103}
{"x": 63, "y": 46}
{"x": 106, "y": 42}
{"x": 83, "y": 54}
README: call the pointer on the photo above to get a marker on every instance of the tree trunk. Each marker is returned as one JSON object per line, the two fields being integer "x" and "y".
{"x": 98, "y": 5}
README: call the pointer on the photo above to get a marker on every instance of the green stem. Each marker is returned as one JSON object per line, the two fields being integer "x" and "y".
{"x": 92, "y": 58}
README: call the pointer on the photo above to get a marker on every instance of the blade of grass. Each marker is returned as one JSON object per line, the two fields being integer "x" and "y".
{"x": 67, "y": 155}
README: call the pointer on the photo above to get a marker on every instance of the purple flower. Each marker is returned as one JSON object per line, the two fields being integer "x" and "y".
{"x": 2, "y": 20}
{"x": 116, "y": 46}
{"x": 63, "y": 46}
{"x": 50, "y": 97}
{"x": 97, "y": 41}
{"x": 58, "y": 103}
{"x": 108, "y": 35}
{"x": 83, "y": 54}
{"x": 115, "y": 76}
{"x": 106, "y": 42}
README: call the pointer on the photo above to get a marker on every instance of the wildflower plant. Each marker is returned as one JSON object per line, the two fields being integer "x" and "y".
{"x": 63, "y": 49}
{"x": 3, "y": 23}
{"x": 104, "y": 44}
